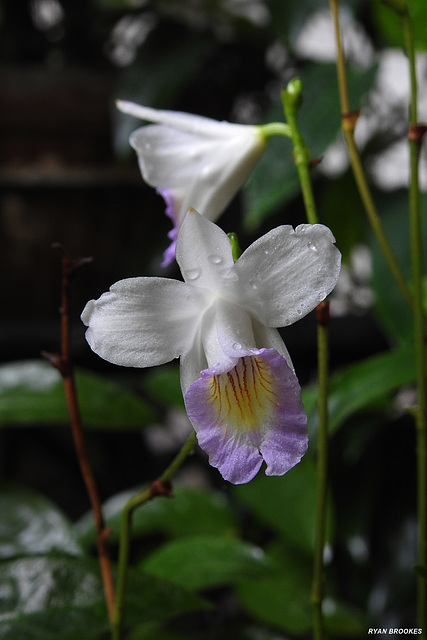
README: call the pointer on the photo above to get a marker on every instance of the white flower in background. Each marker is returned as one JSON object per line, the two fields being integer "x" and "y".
{"x": 193, "y": 161}
{"x": 239, "y": 385}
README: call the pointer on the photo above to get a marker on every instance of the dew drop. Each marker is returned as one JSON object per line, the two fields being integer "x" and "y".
{"x": 253, "y": 284}
{"x": 312, "y": 246}
{"x": 230, "y": 276}
{"x": 215, "y": 259}
{"x": 237, "y": 345}
{"x": 266, "y": 252}
{"x": 147, "y": 146}
{"x": 192, "y": 274}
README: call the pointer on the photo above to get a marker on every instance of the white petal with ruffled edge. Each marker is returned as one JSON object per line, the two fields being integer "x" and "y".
{"x": 287, "y": 272}
{"x": 142, "y": 322}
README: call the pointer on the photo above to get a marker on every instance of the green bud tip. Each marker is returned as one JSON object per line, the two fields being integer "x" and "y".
{"x": 293, "y": 93}
{"x": 235, "y": 248}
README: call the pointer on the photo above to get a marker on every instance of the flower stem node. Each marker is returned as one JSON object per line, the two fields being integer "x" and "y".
{"x": 349, "y": 120}
{"x": 161, "y": 488}
{"x": 240, "y": 389}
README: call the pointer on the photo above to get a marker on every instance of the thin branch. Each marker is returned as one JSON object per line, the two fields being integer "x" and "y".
{"x": 160, "y": 487}
{"x": 63, "y": 363}
{"x": 322, "y": 315}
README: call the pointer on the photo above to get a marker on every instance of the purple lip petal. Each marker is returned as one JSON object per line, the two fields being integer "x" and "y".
{"x": 250, "y": 413}
{"x": 168, "y": 197}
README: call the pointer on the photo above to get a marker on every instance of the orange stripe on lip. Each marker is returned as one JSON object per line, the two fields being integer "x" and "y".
{"x": 244, "y": 397}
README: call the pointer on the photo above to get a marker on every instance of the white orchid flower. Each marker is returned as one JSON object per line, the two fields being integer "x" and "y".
{"x": 194, "y": 161}
{"x": 240, "y": 389}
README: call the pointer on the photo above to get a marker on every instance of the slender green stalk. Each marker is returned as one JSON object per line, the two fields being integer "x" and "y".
{"x": 291, "y": 100}
{"x": 161, "y": 486}
{"x": 415, "y": 228}
{"x": 348, "y": 125}
{"x": 275, "y": 129}
{"x": 322, "y": 313}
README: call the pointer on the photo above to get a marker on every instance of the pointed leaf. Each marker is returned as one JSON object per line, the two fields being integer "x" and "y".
{"x": 190, "y": 511}
{"x": 362, "y": 384}
{"x": 287, "y": 504}
{"x": 31, "y": 392}
{"x": 203, "y": 561}
{"x": 282, "y": 598}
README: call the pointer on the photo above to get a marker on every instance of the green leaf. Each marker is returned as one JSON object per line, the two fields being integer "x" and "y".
{"x": 32, "y": 524}
{"x": 151, "y": 598}
{"x": 203, "y": 561}
{"x": 286, "y": 504}
{"x": 282, "y": 598}
{"x": 387, "y": 22}
{"x": 50, "y": 597}
{"x": 390, "y": 308}
{"x": 274, "y": 180}
{"x": 190, "y": 511}
{"x": 164, "y": 386}
{"x": 31, "y": 392}
{"x": 361, "y": 384}
{"x": 341, "y": 621}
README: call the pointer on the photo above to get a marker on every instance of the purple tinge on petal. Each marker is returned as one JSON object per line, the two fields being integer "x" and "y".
{"x": 249, "y": 413}
{"x": 168, "y": 197}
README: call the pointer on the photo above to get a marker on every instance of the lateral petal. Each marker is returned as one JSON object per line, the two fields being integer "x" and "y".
{"x": 287, "y": 272}
{"x": 142, "y": 322}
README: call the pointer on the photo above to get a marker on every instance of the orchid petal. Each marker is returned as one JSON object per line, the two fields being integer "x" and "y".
{"x": 209, "y": 168}
{"x": 143, "y": 322}
{"x": 251, "y": 412}
{"x": 190, "y": 122}
{"x": 287, "y": 272}
{"x": 203, "y": 252}
{"x": 270, "y": 338}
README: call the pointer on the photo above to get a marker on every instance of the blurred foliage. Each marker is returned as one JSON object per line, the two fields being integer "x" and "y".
{"x": 214, "y": 561}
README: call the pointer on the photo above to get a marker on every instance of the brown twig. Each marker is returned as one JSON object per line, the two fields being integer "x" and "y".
{"x": 63, "y": 363}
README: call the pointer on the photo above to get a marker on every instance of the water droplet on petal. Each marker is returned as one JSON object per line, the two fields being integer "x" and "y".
{"x": 192, "y": 274}
{"x": 266, "y": 252}
{"x": 237, "y": 345}
{"x": 215, "y": 259}
{"x": 147, "y": 146}
{"x": 230, "y": 276}
{"x": 312, "y": 246}
{"x": 253, "y": 284}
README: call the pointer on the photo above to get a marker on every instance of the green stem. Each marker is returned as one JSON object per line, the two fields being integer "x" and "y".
{"x": 291, "y": 100}
{"x": 348, "y": 123}
{"x": 415, "y": 228}
{"x": 275, "y": 129}
{"x": 322, "y": 313}
{"x": 159, "y": 487}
